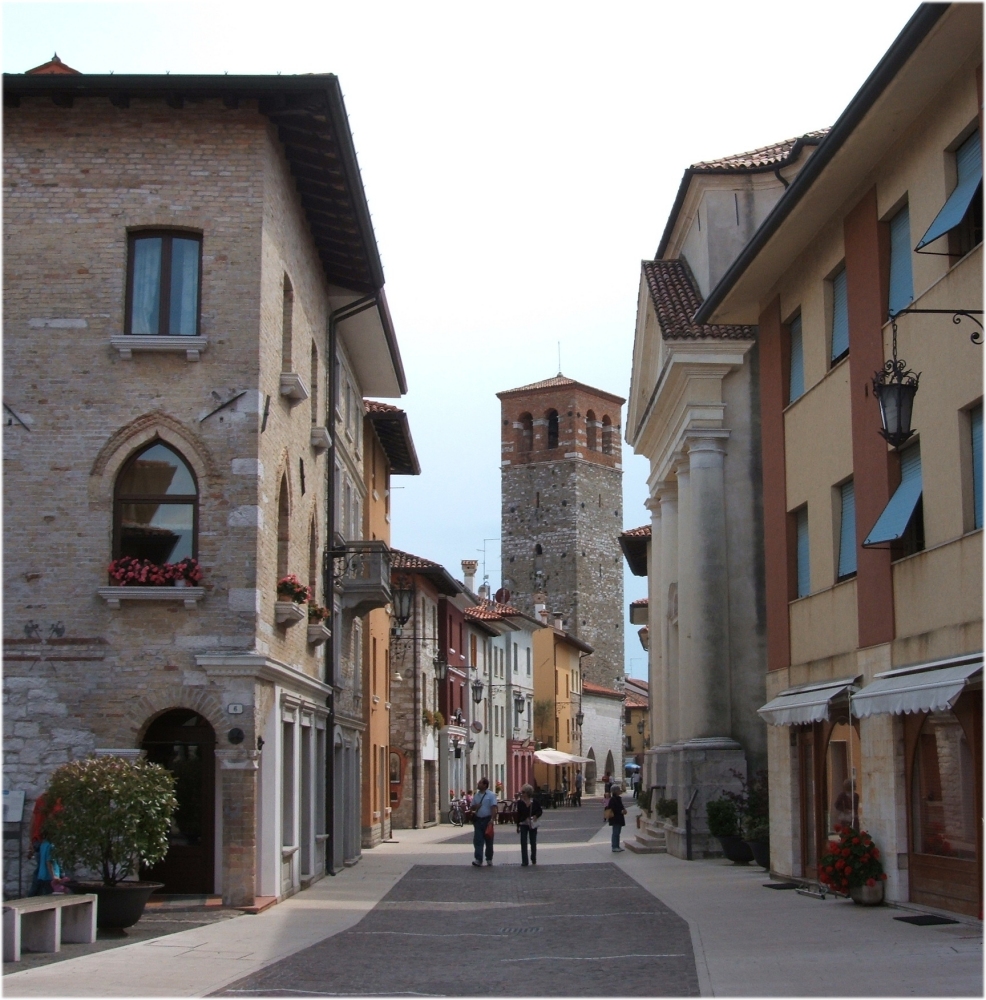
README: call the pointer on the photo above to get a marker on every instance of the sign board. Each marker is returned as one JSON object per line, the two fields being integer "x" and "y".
{"x": 13, "y": 806}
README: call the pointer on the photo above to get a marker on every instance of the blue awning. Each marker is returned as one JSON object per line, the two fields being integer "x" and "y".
{"x": 893, "y": 522}
{"x": 969, "y": 164}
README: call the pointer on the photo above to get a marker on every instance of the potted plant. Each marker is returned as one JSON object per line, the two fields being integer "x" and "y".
{"x": 186, "y": 572}
{"x": 318, "y": 632}
{"x": 756, "y": 821}
{"x": 724, "y": 824}
{"x": 128, "y": 571}
{"x": 290, "y": 588}
{"x": 115, "y": 815}
{"x": 852, "y": 867}
{"x": 667, "y": 809}
{"x": 439, "y": 720}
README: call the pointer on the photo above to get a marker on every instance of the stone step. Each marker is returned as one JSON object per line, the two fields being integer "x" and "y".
{"x": 639, "y": 847}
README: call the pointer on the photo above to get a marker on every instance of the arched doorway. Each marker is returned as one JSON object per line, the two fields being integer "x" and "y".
{"x": 610, "y": 765}
{"x": 590, "y": 772}
{"x": 183, "y": 742}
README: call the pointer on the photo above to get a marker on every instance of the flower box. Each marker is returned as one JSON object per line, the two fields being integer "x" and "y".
{"x": 317, "y": 634}
{"x": 189, "y": 596}
{"x": 288, "y": 613}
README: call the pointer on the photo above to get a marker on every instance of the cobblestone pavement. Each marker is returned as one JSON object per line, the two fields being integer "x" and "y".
{"x": 554, "y": 930}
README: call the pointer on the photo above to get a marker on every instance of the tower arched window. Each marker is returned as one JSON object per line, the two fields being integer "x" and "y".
{"x": 590, "y": 431}
{"x": 552, "y": 418}
{"x": 607, "y": 436}
{"x": 155, "y": 507}
{"x": 283, "y": 529}
{"x": 525, "y": 434}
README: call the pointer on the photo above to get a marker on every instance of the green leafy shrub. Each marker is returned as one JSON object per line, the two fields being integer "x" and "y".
{"x": 722, "y": 817}
{"x": 115, "y": 815}
{"x": 644, "y": 799}
{"x": 667, "y": 808}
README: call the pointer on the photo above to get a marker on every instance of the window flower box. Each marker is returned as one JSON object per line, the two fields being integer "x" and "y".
{"x": 288, "y": 613}
{"x": 317, "y": 634}
{"x": 189, "y": 596}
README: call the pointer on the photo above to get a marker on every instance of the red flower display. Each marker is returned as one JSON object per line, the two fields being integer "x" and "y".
{"x": 128, "y": 571}
{"x": 291, "y": 588}
{"x": 852, "y": 860}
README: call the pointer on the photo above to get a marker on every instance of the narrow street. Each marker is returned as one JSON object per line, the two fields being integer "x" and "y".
{"x": 456, "y": 930}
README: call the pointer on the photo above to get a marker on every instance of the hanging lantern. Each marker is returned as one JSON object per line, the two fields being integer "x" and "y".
{"x": 477, "y": 690}
{"x": 519, "y": 703}
{"x": 579, "y": 718}
{"x": 402, "y": 598}
{"x": 441, "y": 669}
{"x": 895, "y": 387}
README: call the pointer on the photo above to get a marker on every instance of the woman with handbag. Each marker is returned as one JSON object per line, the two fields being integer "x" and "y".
{"x": 483, "y": 819}
{"x": 614, "y": 814}
{"x": 528, "y": 816}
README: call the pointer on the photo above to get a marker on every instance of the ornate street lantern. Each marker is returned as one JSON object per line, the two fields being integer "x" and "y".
{"x": 477, "y": 690}
{"x": 895, "y": 387}
{"x": 471, "y": 743}
{"x": 519, "y": 703}
{"x": 402, "y": 598}
{"x": 579, "y": 718}
{"x": 640, "y": 727}
{"x": 441, "y": 669}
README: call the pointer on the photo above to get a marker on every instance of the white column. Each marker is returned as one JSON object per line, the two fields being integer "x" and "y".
{"x": 682, "y": 681}
{"x": 708, "y": 707}
{"x": 666, "y": 611}
{"x": 656, "y": 666}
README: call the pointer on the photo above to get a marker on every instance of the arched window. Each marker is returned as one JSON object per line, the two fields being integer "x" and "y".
{"x": 525, "y": 434}
{"x": 156, "y": 507}
{"x": 590, "y": 431}
{"x": 283, "y": 529}
{"x": 552, "y": 418}
{"x": 607, "y": 436}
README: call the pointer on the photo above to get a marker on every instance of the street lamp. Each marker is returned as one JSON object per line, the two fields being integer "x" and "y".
{"x": 402, "y": 599}
{"x": 441, "y": 669}
{"x": 895, "y": 387}
{"x": 579, "y": 718}
{"x": 640, "y": 727}
{"x": 519, "y": 703}
{"x": 477, "y": 690}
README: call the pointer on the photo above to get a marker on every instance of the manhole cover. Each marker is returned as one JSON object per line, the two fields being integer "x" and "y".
{"x": 520, "y": 930}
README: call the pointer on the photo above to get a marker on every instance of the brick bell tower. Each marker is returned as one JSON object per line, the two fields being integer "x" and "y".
{"x": 561, "y": 512}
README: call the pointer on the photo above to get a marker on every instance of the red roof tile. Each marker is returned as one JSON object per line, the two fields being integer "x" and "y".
{"x": 375, "y": 406}
{"x": 635, "y": 701}
{"x": 404, "y": 560}
{"x": 676, "y": 300}
{"x": 589, "y": 688}
{"x": 640, "y": 602}
{"x": 642, "y": 532}
{"x": 556, "y": 382}
{"x": 763, "y": 158}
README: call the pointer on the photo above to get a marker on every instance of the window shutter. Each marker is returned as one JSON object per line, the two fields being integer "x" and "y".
{"x": 901, "y": 281}
{"x": 847, "y": 536}
{"x": 804, "y": 565}
{"x": 797, "y": 382}
{"x": 977, "y": 464}
{"x": 840, "y": 316}
{"x": 893, "y": 522}
{"x": 969, "y": 159}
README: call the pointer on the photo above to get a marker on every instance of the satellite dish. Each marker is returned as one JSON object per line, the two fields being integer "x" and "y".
{"x": 477, "y": 726}
{"x": 502, "y": 596}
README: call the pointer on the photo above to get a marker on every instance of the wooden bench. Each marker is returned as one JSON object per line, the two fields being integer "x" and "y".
{"x": 45, "y": 923}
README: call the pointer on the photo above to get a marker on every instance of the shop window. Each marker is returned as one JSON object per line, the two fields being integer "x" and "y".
{"x": 842, "y": 774}
{"x": 163, "y": 292}
{"x": 156, "y": 507}
{"x": 943, "y": 790}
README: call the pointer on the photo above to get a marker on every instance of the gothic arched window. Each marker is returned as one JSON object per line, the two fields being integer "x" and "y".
{"x": 155, "y": 507}
{"x": 552, "y": 418}
{"x": 525, "y": 435}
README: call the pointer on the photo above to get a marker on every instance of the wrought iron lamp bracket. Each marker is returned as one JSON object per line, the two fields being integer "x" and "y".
{"x": 957, "y": 316}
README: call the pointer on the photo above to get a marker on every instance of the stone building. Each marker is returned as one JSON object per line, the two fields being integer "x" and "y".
{"x": 873, "y": 530}
{"x": 601, "y": 736}
{"x": 562, "y": 509}
{"x": 388, "y": 450}
{"x": 190, "y": 276}
{"x": 694, "y": 414}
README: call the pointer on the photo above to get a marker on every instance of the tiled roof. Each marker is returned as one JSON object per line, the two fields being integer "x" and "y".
{"x": 642, "y": 686}
{"x": 404, "y": 560}
{"x": 676, "y": 300}
{"x": 394, "y": 432}
{"x": 640, "y": 602}
{"x": 375, "y": 406}
{"x": 642, "y": 532}
{"x": 763, "y": 158}
{"x": 53, "y": 67}
{"x": 589, "y": 688}
{"x": 635, "y": 701}
{"x": 557, "y": 382}
{"x": 491, "y": 611}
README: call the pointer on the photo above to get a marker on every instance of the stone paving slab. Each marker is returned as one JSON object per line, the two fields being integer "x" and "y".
{"x": 553, "y": 930}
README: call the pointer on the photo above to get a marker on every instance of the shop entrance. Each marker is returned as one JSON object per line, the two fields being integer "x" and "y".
{"x": 185, "y": 743}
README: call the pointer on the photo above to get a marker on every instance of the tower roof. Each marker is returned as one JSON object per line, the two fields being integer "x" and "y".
{"x": 556, "y": 383}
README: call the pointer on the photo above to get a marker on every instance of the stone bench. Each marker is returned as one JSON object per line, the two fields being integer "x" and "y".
{"x": 45, "y": 923}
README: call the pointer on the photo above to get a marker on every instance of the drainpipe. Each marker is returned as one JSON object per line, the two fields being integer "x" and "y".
{"x": 328, "y": 585}
{"x": 418, "y": 712}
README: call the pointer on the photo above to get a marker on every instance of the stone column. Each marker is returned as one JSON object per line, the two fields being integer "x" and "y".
{"x": 682, "y": 687}
{"x": 238, "y": 771}
{"x": 708, "y": 708}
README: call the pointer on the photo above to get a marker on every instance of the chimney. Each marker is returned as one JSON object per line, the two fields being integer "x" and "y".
{"x": 558, "y": 622}
{"x": 469, "y": 567}
{"x": 484, "y": 591}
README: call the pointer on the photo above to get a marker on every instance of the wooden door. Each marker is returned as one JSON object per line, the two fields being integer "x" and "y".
{"x": 184, "y": 743}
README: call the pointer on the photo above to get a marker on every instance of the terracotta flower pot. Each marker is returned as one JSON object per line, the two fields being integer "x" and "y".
{"x": 867, "y": 895}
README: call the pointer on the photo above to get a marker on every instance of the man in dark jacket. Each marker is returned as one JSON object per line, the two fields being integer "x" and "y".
{"x": 618, "y": 819}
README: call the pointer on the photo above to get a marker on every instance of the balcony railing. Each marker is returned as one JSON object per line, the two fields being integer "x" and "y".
{"x": 362, "y": 570}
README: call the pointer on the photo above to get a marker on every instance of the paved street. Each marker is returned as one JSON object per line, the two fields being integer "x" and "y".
{"x": 408, "y": 918}
{"x": 444, "y": 931}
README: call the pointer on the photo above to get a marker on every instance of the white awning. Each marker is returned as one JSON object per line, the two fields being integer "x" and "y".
{"x": 806, "y": 703}
{"x": 550, "y": 756}
{"x": 931, "y": 687}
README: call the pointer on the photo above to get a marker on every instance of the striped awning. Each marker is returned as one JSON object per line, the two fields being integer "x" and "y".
{"x": 806, "y": 703}
{"x": 931, "y": 687}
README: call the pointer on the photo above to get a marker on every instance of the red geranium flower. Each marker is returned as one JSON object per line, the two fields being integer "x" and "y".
{"x": 871, "y": 882}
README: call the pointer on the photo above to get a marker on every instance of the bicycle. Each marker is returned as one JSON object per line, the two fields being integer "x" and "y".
{"x": 457, "y": 812}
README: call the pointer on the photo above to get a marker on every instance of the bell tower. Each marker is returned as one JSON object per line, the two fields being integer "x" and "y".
{"x": 561, "y": 512}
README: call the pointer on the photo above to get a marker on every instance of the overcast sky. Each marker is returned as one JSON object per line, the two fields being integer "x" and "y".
{"x": 520, "y": 160}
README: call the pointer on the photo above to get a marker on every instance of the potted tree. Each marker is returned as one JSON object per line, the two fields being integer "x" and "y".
{"x": 724, "y": 824}
{"x": 115, "y": 815}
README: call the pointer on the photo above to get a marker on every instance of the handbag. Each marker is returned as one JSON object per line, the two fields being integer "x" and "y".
{"x": 490, "y": 829}
{"x": 608, "y": 813}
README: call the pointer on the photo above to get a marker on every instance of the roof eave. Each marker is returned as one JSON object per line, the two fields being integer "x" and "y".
{"x": 903, "y": 47}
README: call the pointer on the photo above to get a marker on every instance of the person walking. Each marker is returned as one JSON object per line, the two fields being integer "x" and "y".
{"x": 483, "y": 818}
{"x": 617, "y": 813}
{"x": 528, "y": 816}
{"x": 578, "y": 787}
